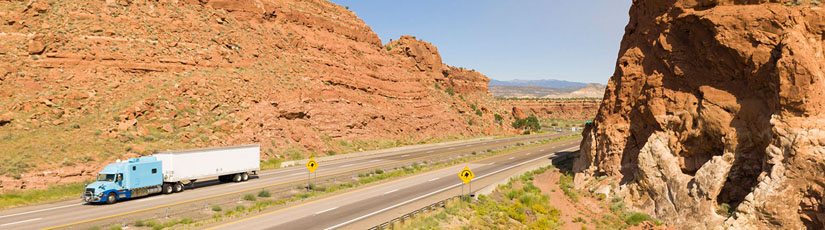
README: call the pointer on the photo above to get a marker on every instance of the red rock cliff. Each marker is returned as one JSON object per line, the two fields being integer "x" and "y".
{"x": 88, "y": 82}
{"x": 713, "y": 103}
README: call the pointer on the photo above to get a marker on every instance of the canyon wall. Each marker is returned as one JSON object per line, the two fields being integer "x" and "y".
{"x": 554, "y": 109}
{"x": 83, "y": 83}
{"x": 716, "y": 103}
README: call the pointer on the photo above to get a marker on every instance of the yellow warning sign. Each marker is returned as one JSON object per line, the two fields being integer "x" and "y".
{"x": 312, "y": 165}
{"x": 466, "y": 175}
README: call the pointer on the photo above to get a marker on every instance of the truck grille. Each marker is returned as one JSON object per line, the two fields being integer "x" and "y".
{"x": 90, "y": 192}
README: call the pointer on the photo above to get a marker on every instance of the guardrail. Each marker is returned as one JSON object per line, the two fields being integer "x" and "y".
{"x": 202, "y": 208}
{"x": 391, "y": 224}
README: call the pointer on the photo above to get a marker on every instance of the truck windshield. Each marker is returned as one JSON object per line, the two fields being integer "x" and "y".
{"x": 106, "y": 177}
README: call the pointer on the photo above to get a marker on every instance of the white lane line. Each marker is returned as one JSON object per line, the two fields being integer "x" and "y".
{"x": 375, "y": 160}
{"x": 344, "y": 166}
{"x": 41, "y": 210}
{"x": 491, "y": 163}
{"x": 20, "y": 222}
{"x": 511, "y": 158}
{"x": 429, "y": 194}
{"x": 236, "y": 184}
{"x": 405, "y": 155}
{"x": 297, "y": 174}
{"x": 528, "y": 154}
{"x": 434, "y": 179}
{"x": 325, "y": 210}
{"x": 431, "y": 151}
{"x": 153, "y": 198}
{"x": 452, "y": 147}
{"x": 394, "y": 190}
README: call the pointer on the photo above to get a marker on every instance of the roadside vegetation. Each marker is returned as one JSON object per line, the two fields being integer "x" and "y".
{"x": 516, "y": 205}
{"x": 532, "y": 201}
{"x": 27, "y": 197}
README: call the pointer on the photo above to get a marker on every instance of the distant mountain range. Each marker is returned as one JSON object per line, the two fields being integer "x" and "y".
{"x": 545, "y": 89}
{"x": 550, "y": 83}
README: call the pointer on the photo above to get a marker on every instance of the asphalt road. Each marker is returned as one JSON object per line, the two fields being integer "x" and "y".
{"x": 74, "y": 211}
{"x": 348, "y": 210}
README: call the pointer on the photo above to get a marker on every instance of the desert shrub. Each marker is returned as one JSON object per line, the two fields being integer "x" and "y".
{"x": 217, "y": 208}
{"x": 723, "y": 210}
{"x": 450, "y": 91}
{"x": 530, "y": 123}
{"x": 139, "y": 223}
{"x": 249, "y": 197}
{"x": 264, "y": 193}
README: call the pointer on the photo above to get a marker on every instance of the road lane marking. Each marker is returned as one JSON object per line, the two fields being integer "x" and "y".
{"x": 428, "y": 194}
{"x": 236, "y": 184}
{"x": 375, "y": 160}
{"x": 344, "y": 166}
{"x": 434, "y": 179}
{"x": 406, "y": 155}
{"x": 325, "y": 210}
{"x": 41, "y": 210}
{"x": 431, "y": 151}
{"x": 296, "y": 174}
{"x": 528, "y": 154}
{"x": 511, "y": 158}
{"x": 394, "y": 190}
{"x": 20, "y": 222}
{"x": 491, "y": 163}
{"x": 153, "y": 198}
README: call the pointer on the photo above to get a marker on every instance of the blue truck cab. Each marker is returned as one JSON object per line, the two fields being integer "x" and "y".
{"x": 135, "y": 177}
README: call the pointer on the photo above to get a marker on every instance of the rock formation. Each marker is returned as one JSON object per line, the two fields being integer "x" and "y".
{"x": 717, "y": 103}
{"x": 555, "y": 109}
{"x": 88, "y": 82}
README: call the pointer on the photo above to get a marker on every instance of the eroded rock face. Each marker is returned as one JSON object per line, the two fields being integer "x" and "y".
{"x": 89, "y": 82}
{"x": 551, "y": 109}
{"x": 712, "y": 103}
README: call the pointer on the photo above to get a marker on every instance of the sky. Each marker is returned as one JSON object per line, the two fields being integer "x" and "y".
{"x": 533, "y": 39}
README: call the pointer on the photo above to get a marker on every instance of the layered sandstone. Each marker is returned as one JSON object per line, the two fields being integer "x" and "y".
{"x": 85, "y": 82}
{"x": 713, "y": 103}
{"x": 554, "y": 109}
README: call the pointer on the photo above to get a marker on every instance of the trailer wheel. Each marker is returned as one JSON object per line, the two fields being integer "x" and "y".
{"x": 237, "y": 178}
{"x": 178, "y": 187}
{"x": 245, "y": 177}
{"x": 167, "y": 188}
{"x": 112, "y": 198}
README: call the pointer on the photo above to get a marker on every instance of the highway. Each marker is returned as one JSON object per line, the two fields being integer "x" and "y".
{"x": 366, "y": 207}
{"x": 65, "y": 214}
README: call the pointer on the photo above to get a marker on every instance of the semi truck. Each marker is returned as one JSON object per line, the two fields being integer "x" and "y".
{"x": 169, "y": 172}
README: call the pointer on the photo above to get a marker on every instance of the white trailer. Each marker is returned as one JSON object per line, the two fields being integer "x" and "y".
{"x": 233, "y": 163}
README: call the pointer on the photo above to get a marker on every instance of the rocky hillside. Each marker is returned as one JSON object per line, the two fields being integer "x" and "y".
{"x": 716, "y": 104}
{"x": 554, "y": 109}
{"x": 534, "y": 91}
{"x": 83, "y": 83}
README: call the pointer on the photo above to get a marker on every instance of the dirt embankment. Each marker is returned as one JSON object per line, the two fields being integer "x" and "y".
{"x": 85, "y": 82}
{"x": 715, "y": 104}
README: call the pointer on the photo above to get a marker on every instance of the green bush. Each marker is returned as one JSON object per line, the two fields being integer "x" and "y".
{"x": 264, "y": 193}
{"x": 634, "y": 218}
{"x": 379, "y": 171}
{"x": 723, "y": 210}
{"x": 498, "y": 118}
{"x": 530, "y": 123}
{"x": 478, "y": 112}
{"x": 216, "y": 208}
{"x": 139, "y": 223}
{"x": 115, "y": 227}
{"x": 249, "y": 197}
{"x": 186, "y": 221}
{"x": 450, "y": 91}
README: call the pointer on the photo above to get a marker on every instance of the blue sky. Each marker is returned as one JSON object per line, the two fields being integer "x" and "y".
{"x": 533, "y": 39}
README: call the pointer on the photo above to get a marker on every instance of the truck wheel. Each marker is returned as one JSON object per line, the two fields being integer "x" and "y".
{"x": 245, "y": 177}
{"x": 178, "y": 187}
{"x": 236, "y": 177}
{"x": 167, "y": 188}
{"x": 112, "y": 198}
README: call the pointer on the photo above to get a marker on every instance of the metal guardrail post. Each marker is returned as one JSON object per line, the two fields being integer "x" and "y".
{"x": 167, "y": 212}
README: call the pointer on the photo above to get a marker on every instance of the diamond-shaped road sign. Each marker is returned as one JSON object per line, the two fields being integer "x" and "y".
{"x": 312, "y": 165}
{"x": 466, "y": 175}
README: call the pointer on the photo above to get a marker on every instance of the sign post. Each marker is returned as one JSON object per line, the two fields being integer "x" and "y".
{"x": 312, "y": 166}
{"x": 466, "y": 175}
